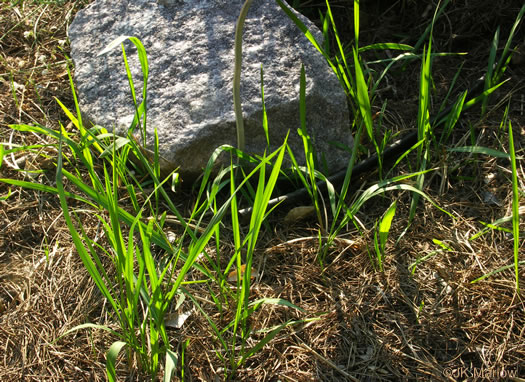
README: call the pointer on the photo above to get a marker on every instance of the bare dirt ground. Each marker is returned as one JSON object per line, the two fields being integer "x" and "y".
{"x": 429, "y": 324}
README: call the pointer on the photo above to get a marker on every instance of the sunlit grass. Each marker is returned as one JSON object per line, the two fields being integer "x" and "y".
{"x": 144, "y": 288}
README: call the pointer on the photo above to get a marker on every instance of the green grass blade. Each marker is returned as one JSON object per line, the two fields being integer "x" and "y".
{"x": 271, "y": 335}
{"x": 340, "y": 48}
{"x": 497, "y": 224}
{"x": 480, "y": 150}
{"x": 346, "y": 183}
{"x": 140, "y": 111}
{"x": 43, "y": 188}
{"x": 303, "y": 29}
{"x": 356, "y": 23}
{"x": 363, "y": 99}
{"x": 501, "y": 269}
{"x": 214, "y": 327}
{"x": 111, "y": 359}
{"x": 453, "y": 117}
{"x": 377, "y": 249}
{"x": 309, "y": 152}
{"x": 428, "y": 30}
{"x": 79, "y": 125}
{"x": 504, "y": 59}
{"x": 483, "y": 95}
{"x": 385, "y": 224}
{"x": 377, "y": 190}
{"x": 423, "y": 126}
{"x": 172, "y": 359}
{"x": 263, "y": 194}
{"x": 385, "y": 46}
{"x": 237, "y": 75}
{"x": 341, "y": 73}
{"x": 490, "y": 68}
{"x": 264, "y": 116}
{"x": 515, "y": 205}
{"x": 5, "y": 197}
{"x": 2, "y": 152}
{"x": 84, "y": 255}
{"x": 261, "y": 202}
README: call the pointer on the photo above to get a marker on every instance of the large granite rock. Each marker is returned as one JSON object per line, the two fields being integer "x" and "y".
{"x": 190, "y": 47}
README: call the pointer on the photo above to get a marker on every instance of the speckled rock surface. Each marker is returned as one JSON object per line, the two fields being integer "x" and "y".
{"x": 190, "y": 48}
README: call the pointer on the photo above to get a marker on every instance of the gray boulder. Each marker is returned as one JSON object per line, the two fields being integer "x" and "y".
{"x": 190, "y": 48}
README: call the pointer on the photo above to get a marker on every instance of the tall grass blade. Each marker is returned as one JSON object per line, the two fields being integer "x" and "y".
{"x": 264, "y": 115}
{"x": 309, "y": 152}
{"x": 84, "y": 255}
{"x": 505, "y": 57}
{"x": 452, "y": 118}
{"x": 342, "y": 74}
{"x": 356, "y": 24}
{"x": 515, "y": 205}
{"x": 490, "y": 68}
{"x": 304, "y": 29}
{"x": 363, "y": 100}
{"x": 237, "y": 75}
{"x": 263, "y": 195}
{"x": 483, "y": 95}
{"x": 346, "y": 182}
{"x": 429, "y": 28}
{"x": 423, "y": 126}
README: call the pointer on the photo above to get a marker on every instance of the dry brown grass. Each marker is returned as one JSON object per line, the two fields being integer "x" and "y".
{"x": 371, "y": 326}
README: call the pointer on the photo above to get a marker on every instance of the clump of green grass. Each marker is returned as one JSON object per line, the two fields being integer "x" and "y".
{"x": 360, "y": 87}
{"x": 142, "y": 289}
{"x": 352, "y": 76}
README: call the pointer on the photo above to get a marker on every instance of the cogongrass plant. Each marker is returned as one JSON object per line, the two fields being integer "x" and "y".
{"x": 354, "y": 74}
{"x": 352, "y": 78}
{"x": 516, "y": 194}
{"x": 138, "y": 301}
{"x": 233, "y": 338}
{"x": 498, "y": 224}
{"x": 309, "y": 152}
{"x": 140, "y": 320}
{"x": 356, "y": 82}
{"x": 144, "y": 287}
